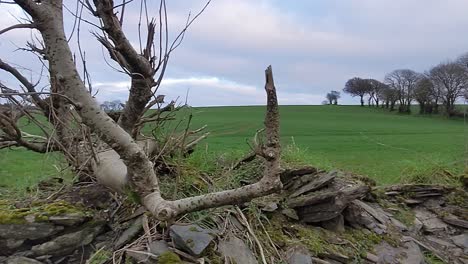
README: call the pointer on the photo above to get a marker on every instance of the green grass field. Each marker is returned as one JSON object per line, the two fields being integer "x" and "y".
{"x": 385, "y": 146}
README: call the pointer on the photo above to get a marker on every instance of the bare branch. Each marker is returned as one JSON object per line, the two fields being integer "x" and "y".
{"x": 269, "y": 183}
{"x": 13, "y": 133}
{"x": 77, "y": 105}
{"x": 29, "y": 6}
{"x": 194, "y": 142}
{"x": 7, "y": 144}
{"x": 28, "y": 85}
{"x": 18, "y": 26}
{"x": 178, "y": 40}
{"x": 136, "y": 63}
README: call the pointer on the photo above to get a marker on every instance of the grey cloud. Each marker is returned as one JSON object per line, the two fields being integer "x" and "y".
{"x": 312, "y": 51}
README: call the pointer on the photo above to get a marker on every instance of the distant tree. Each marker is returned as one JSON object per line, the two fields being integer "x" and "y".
{"x": 451, "y": 80}
{"x": 112, "y": 106}
{"x": 330, "y": 97}
{"x": 336, "y": 95}
{"x": 404, "y": 82}
{"x": 333, "y": 97}
{"x": 423, "y": 95}
{"x": 105, "y": 106}
{"x": 357, "y": 87}
{"x": 390, "y": 97}
{"x": 376, "y": 90}
{"x": 462, "y": 60}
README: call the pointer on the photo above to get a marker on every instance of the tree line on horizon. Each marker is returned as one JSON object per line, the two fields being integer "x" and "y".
{"x": 442, "y": 85}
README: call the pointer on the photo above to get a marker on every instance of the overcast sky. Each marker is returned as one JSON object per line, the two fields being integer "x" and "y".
{"x": 313, "y": 46}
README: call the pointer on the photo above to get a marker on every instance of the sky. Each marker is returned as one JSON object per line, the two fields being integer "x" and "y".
{"x": 313, "y": 46}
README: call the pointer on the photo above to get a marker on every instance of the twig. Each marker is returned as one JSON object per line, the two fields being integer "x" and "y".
{"x": 246, "y": 223}
{"x": 268, "y": 236}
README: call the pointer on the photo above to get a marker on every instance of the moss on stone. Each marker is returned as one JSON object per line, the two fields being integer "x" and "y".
{"x": 354, "y": 243}
{"x": 39, "y": 212}
{"x": 193, "y": 229}
{"x": 211, "y": 254}
{"x": 405, "y": 215}
{"x": 169, "y": 258}
{"x": 458, "y": 198}
{"x": 132, "y": 195}
{"x": 100, "y": 257}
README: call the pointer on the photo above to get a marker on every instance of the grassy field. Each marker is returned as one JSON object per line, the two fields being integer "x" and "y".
{"x": 385, "y": 146}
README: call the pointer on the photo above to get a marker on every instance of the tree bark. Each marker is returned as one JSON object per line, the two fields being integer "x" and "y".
{"x": 128, "y": 160}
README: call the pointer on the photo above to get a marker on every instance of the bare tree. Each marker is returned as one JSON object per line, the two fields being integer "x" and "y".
{"x": 462, "y": 60}
{"x": 404, "y": 82}
{"x": 390, "y": 97}
{"x": 112, "y": 106}
{"x": 451, "y": 80}
{"x": 336, "y": 96}
{"x": 376, "y": 91}
{"x": 357, "y": 87}
{"x": 333, "y": 97}
{"x": 423, "y": 95}
{"x": 124, "y": 158}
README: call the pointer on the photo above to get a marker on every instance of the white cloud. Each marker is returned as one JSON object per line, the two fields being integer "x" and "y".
{"x": 208, "y": 91}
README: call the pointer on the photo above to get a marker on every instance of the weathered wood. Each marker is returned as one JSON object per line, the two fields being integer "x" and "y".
{"x": 316, "y": 184}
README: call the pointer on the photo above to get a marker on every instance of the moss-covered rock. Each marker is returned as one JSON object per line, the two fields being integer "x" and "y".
{"x": 39, "y": 212}
{"x": 169, "y": 258}
{"x": 353, "y": 243}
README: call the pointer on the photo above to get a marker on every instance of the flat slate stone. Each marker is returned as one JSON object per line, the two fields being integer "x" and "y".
{"x": 440, "y": 242}
{"x": 336, "y": 224}
{"x": 270, "y": 207}
{"x": 192, "y": 238}
{"x": 315, "y": 184}
{"x": 135, "y": 228}
{"x": 31, "y": 231}
{"x": 398, "y": 224}
{"x": 236, "y": 251}
{"x": 291, "y": 213}
{"x": 431, "y": 223}
{"x": 461, "y": 241}
{"x": 455, "y": 221}
{"x": 298, "y": 255}
{"x": 412, "y": 254}
{"x": 158, "y": 247}
{"x": 68, "y": 242}
{"x": 68, "y": 219}
{"x": 141, "y": 256}
{"x": 22, "y": 260}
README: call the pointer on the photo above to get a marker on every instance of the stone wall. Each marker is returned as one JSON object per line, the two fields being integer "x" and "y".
{"x": 55, "y": 232}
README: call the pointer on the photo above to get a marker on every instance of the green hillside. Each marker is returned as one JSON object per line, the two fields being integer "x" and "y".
{"x": 373, "y": 142}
